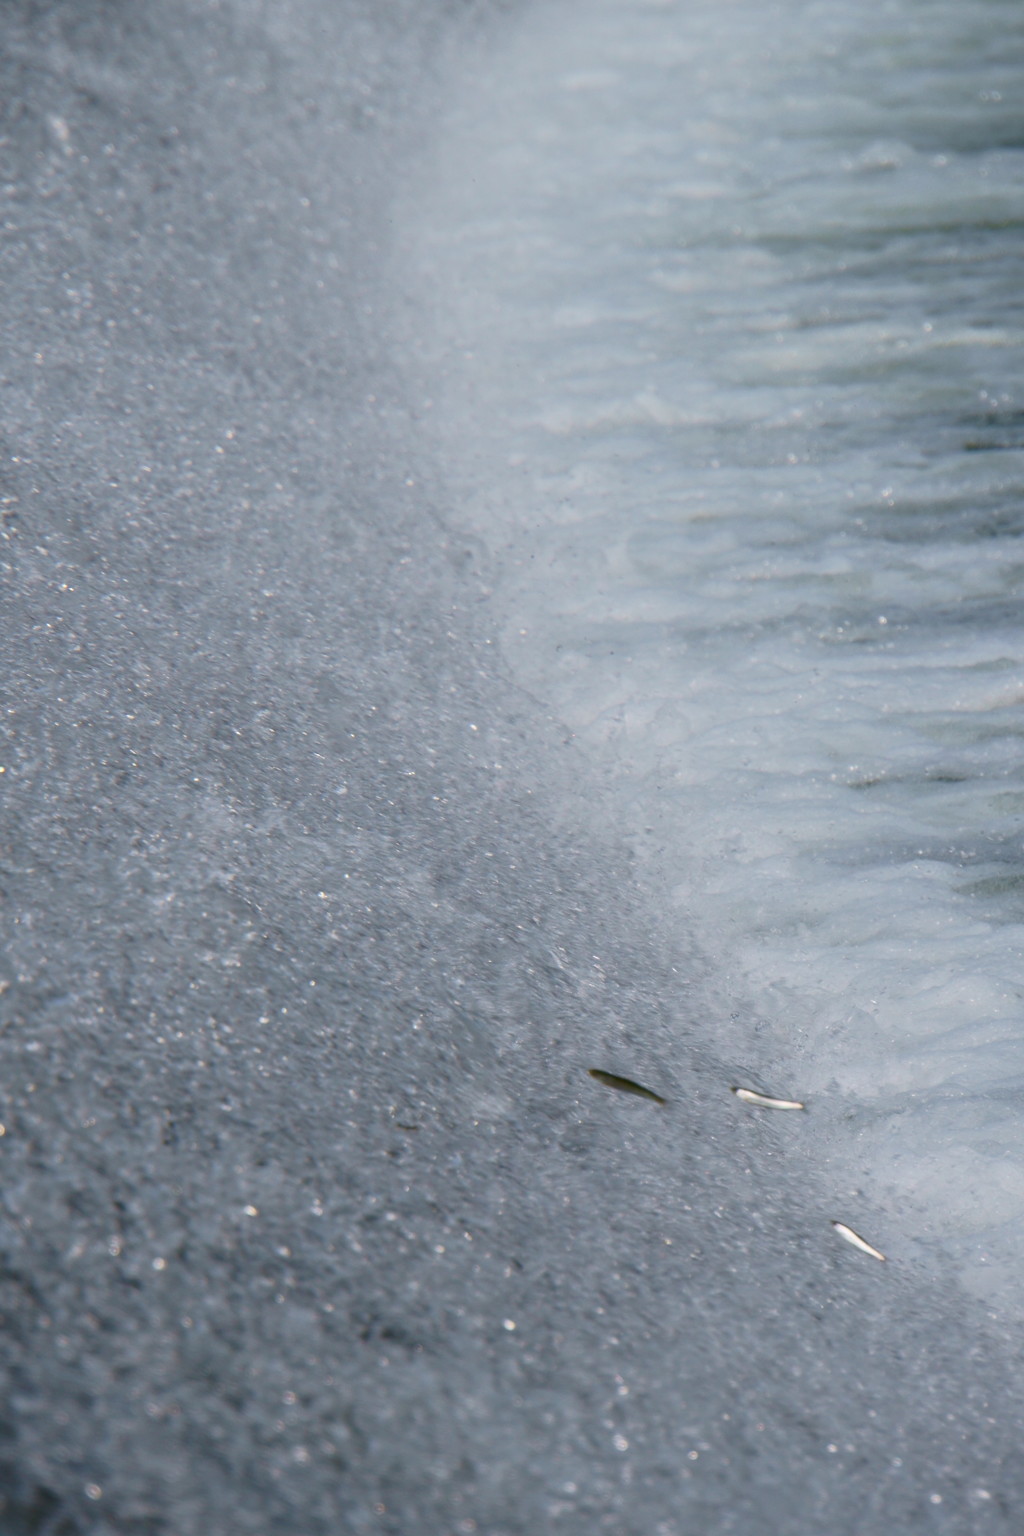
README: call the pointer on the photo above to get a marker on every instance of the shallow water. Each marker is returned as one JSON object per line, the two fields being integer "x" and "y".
{"x": 728, "y": 300}
{"x": 313, "y": 1220}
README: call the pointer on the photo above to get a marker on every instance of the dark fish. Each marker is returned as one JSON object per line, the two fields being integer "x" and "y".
{"x": 624, "y": 1084}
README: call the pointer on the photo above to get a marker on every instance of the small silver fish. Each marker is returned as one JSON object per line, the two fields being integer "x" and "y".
{"x": 764, "y": 1100}
{"x": 858, "y": 1242}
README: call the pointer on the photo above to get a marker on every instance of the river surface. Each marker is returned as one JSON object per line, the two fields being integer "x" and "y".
{"x": 728, "y": 304}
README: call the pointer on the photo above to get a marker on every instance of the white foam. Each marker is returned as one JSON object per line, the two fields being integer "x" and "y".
{"x": 727, "y": 302}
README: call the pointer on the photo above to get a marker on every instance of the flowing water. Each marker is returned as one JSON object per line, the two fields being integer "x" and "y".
{"x": 728, "y": 300}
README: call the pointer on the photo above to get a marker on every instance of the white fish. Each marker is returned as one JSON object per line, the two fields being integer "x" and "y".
{"x": 764, "y": 1100}
{"x": 857, "y": 1241}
